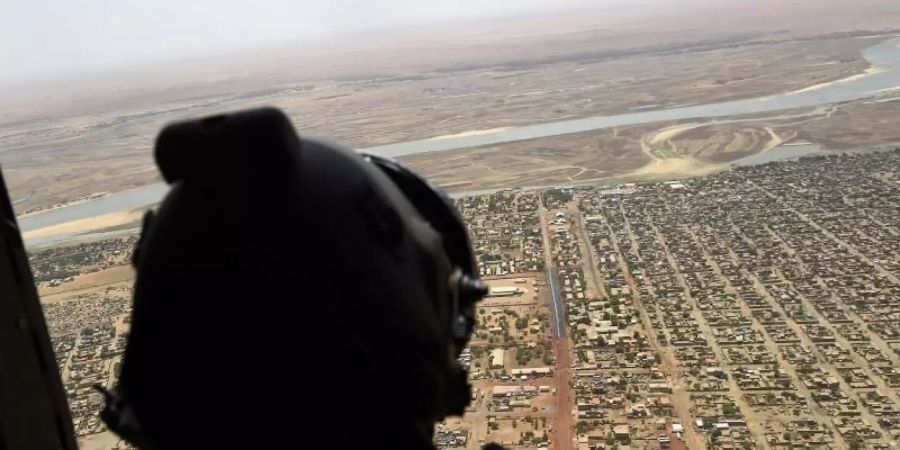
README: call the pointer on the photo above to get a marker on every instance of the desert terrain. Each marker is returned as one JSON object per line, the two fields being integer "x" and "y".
{"x": 667, "y": 150}
{"x": 94, "y": 134}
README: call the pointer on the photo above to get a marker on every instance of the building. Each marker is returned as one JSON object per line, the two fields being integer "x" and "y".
{"x": 504, "y": 291}
{"x": 497, "y": 356}
{"x": 532, "y": 371}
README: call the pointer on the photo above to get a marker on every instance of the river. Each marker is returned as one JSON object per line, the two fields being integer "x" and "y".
{"x": 780, "y": 153}
{"x": 885, "y": 57}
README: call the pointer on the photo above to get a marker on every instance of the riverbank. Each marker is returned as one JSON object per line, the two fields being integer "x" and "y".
{"x": 617, "y": 155}
{"x": 106, "y": 144}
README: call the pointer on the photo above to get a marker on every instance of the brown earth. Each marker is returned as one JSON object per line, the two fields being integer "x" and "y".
{"x": 662, "y": 150}
{"x": 86, "y": 281}
{"x": 417, "y": 83}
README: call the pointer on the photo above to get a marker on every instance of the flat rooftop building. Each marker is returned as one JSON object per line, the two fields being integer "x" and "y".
{"x": 497, "y": 358}
{"x": 504, "y": 291}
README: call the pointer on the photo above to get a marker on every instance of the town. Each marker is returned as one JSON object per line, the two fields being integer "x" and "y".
{"x": 757, "y": 308}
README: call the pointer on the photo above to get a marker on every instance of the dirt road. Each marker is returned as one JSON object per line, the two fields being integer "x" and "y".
{"x": 564, "y": 431}
{"x": 591, "y": 275}
{"x": 563, "y": 423}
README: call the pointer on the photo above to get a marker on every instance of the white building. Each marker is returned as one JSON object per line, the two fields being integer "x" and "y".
{"x": 497, "y": 356}
{"x": 504, "y": 291}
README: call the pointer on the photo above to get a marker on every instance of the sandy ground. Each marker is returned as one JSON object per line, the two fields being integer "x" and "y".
{"x": 647, "y": 152}
{"x": 469, "y": 133}
{"x": 868, "y": 72}
{"x": 85, "y": 225}
{"x": 855, "y": 125}
{"x": 87, "y": 281}
{"x": 675, "y": 168}
{"x": 664, "y": 150}
{"x": 668, "y": 133}
{"x": 548, "y": 70}
{"x": 100, "y": 441}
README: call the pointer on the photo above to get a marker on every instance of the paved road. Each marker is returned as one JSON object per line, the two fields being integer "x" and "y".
{"x": 559, "y": 327}
{"x": 558, "y": 305}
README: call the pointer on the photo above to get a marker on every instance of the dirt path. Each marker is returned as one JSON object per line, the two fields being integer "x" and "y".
{"x": 565, "y": 424}
{"x": 591, "y": 275}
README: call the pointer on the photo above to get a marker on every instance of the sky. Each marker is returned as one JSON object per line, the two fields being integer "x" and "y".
{"x": 44, "y": 38}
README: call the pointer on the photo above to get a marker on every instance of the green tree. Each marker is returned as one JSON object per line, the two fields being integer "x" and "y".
{"x": 581, "y": 427}
{"x": 729, "y": 409}
{"x": 521, "y": 323}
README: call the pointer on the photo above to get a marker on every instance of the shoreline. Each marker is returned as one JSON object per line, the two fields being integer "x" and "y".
{"x": 77, "y": 201}
{"x": 887, "y": 74}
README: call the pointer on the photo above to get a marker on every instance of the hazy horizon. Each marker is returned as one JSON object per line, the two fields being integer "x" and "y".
{"x": 52, "y": 41}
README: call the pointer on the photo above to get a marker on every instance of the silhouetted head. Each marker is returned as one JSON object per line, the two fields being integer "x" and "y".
{"x": 291, "y": 291}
